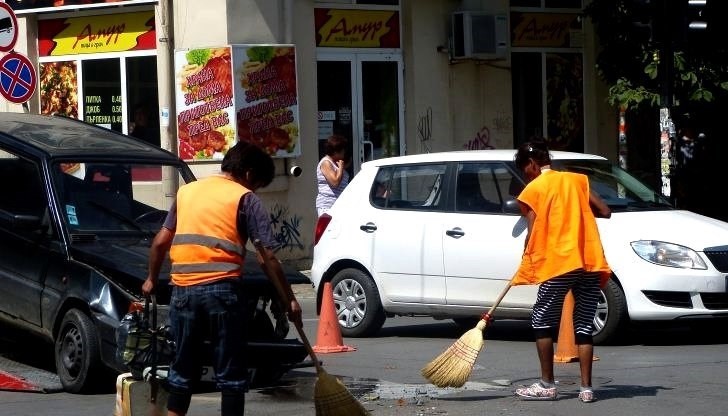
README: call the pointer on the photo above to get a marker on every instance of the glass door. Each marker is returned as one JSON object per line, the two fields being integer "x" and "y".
{"x": 360, "y": 97}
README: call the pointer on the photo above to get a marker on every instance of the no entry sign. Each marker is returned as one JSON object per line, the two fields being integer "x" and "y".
{"x": 17, "y": 78}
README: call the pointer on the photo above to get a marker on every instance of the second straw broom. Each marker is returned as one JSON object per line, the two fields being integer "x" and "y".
{"x": 452, "y": 368}
{"x": 331, "y": 398}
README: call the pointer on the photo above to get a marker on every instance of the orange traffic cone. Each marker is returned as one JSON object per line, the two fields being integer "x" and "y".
{"x": 329, "y": 337}
{"x": 566, "y": 350}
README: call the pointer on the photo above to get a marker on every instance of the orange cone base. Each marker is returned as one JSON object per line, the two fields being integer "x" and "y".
{"x": 329, "y": 339}
{"x": 333, "y": 348}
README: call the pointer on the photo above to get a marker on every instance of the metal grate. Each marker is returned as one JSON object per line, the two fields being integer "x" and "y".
{"x": 718, "y": 256}
{"x": 670, "y": 299}
{"x": 715, "y": 300}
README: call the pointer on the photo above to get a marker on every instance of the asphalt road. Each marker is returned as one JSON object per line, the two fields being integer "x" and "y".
{"x": 655, "y": 372}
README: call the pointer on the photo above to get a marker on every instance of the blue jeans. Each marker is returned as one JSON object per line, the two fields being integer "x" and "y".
{"x": 214, "y": 312}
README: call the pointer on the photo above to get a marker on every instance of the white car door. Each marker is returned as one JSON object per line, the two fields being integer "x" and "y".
{"x": 483, "y": 240}
{"x": 408, "y": 243}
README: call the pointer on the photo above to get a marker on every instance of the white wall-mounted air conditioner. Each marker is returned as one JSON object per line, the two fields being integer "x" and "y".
{"x": 479, "y": 35}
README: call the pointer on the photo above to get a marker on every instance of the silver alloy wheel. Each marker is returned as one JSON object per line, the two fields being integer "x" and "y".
{"x": 350, "y": 302}
{"x": 600, "y": 318}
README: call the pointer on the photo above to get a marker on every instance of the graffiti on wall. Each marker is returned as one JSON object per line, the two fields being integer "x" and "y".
{"x": 503, "y": 122}
{"x": 424, "y": 130}
{"x": 286, "y": 229}
{"x": 481, "y": 141}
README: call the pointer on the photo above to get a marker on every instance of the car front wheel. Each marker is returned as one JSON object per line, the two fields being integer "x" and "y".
{"x": 611, "y": 314}
{"x": 77, "y": 352}
{"x": 357, "y": 304}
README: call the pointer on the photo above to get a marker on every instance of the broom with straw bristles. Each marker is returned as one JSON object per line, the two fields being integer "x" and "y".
{"x": 330, "y": 396}
{"x": 452, "y": 368}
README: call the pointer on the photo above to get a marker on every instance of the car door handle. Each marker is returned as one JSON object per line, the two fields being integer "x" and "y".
{"x": 368, "y": 227}
{"x": 456, "y": 232}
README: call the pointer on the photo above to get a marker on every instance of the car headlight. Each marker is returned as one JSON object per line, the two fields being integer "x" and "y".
{"x": 668, "y": 254}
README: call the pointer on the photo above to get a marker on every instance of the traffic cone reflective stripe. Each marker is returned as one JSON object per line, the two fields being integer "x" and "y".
{"x": 328, "y": 338}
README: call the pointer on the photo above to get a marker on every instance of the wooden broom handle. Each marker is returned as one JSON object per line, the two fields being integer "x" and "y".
{"x": 487, "y": 317}
{"x": 282, "y": 294}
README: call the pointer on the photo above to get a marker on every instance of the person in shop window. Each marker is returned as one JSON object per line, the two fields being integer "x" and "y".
{"x": 331, "y": 174}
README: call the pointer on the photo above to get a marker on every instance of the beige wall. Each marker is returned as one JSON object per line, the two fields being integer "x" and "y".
{"x": 223, "y": 22}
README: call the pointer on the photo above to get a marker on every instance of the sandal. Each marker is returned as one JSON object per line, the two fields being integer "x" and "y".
{"x": 586, "y": 396}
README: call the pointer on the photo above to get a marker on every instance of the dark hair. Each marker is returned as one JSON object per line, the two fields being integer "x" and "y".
{"x": 246, "y": 157}
{"x": 335, "y": 144}
{"x": 535, "y": 149}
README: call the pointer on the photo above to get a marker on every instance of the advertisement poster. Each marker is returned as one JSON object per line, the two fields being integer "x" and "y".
{"x": 59, "y": 88}
{"x": 266, "y": 98}
{"x": 204, "y": 97}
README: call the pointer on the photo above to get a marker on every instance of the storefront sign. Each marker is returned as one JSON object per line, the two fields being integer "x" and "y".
{"x": 545, "y": 30}
{"x": 266, "y": 97}
{"x": 347, "y": 28}
{"x": 36, "y": 6}
{"x": 204, "y": 97}
{"x": 97, "y": 34}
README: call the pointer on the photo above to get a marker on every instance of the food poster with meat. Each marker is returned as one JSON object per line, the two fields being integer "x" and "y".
{"x": 204, "y": 98}
{"x": 59, "y": 88}
{"x": 266, "y": 98}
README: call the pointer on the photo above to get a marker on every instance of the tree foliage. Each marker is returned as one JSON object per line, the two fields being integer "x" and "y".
{"x": 629, "y": 60}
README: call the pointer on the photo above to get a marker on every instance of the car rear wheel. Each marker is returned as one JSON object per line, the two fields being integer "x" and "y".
{"x": 77, "y": 352}
{"x": 356, "y": 300}
{"x": 611, "y": 314}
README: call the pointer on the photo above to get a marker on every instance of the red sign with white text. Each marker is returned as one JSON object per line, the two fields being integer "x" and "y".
{"x": 97, "y": 34}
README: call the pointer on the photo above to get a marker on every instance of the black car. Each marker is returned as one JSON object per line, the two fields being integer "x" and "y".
{"x": 79, "y": 207}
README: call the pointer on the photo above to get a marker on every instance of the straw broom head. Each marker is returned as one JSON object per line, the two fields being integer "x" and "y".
{"x": 333, "y": 399}
{"x": 452, "y": 368}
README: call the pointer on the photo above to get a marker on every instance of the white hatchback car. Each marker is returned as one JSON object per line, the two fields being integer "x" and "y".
{"x": 441, "y": 234}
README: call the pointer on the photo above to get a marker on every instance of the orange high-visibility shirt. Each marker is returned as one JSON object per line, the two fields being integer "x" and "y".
{"x": 206, "y": 245}
{"x": 564, "y": 236}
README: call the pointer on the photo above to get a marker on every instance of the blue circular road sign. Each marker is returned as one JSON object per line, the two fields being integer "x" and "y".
{"x": 17, "y": 78}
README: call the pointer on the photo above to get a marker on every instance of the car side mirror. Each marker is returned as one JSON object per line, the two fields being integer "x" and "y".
{"x": 511, "y": 207}
{"x": 21, "y": 221}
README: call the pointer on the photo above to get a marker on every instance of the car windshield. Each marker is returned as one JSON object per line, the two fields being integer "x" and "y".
{"x": 108, "y": 197}
{"x": 619, "y": 189}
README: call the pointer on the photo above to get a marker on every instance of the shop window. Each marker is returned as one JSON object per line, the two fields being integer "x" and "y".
{"x": 102, "y": 103}
{"x": 557, "y": 79}
{"x": 142, "y": 98}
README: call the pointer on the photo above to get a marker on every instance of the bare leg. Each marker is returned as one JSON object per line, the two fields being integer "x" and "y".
{"x": 173, "y": 413}
{"x": 586, "y": 355}
{"x": 545, "y": 347}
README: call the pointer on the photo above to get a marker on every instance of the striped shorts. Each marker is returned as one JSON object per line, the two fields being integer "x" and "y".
{"x": 546, "y": 315}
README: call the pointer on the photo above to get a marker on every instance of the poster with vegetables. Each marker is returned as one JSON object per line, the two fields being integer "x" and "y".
{"x": 205, "y": 107}
{"x": 266, "y": 98}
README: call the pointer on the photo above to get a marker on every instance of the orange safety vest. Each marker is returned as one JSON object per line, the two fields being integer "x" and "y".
{"x": 564, "y": 236}
{"x": 206, "y": 245}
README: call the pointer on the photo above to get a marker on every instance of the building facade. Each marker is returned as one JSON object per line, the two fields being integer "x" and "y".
{"x": 394, "y": 76}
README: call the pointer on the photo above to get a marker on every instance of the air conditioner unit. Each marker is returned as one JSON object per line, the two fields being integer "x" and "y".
{"x": 479, "y": 35}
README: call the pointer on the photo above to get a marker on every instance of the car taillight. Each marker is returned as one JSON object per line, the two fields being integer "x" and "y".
{"x": 321, "y": 224}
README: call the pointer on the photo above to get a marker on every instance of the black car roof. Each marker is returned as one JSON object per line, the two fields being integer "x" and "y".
{"x": 59, "y": 136}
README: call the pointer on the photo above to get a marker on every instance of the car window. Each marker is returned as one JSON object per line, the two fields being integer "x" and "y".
{"x": 484, "y": 187}
{"x": 22, "y": 187}
{"x": 409, "y": 187}
{"x": 109, "y": 196}
{"x": 620, "y": 190}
